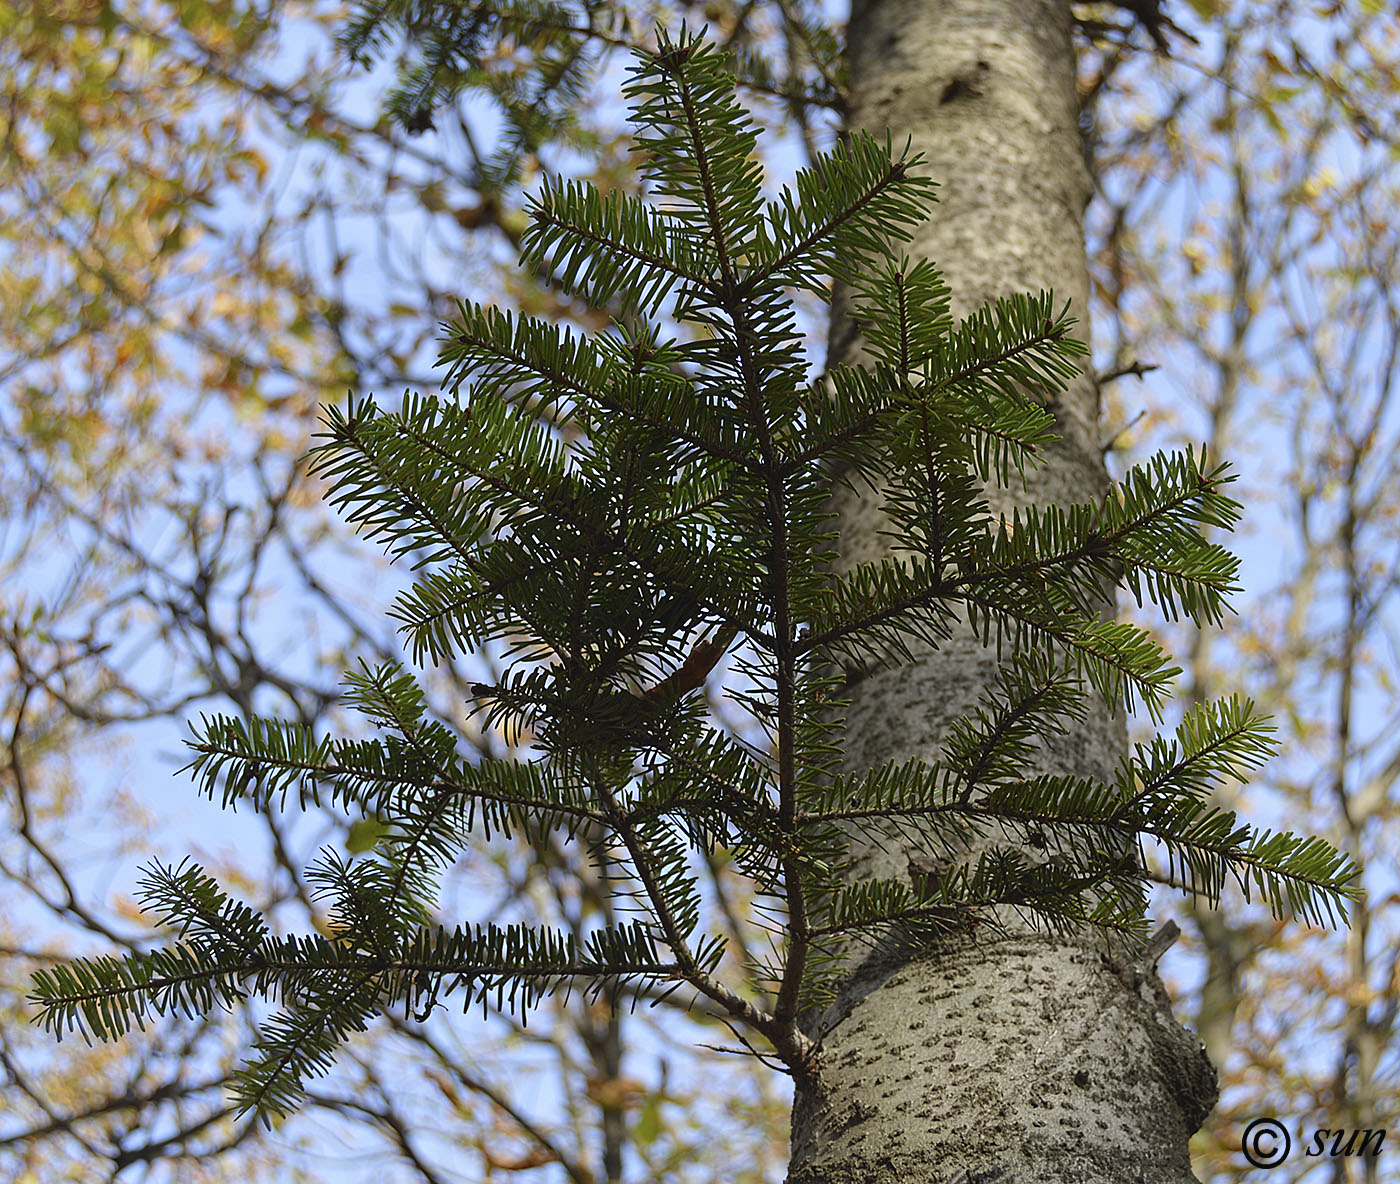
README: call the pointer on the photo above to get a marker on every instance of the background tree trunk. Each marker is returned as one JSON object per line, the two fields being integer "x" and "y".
{"x": 1029, "y": 1054}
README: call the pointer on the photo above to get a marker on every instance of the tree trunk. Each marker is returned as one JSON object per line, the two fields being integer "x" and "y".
{"x": 1027, "y": 1054}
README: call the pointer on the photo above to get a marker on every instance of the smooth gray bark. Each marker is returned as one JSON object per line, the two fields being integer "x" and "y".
{"x": 1029, "y": 1054}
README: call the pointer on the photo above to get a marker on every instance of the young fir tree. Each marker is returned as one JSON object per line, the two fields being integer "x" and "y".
{"x": 630, "y": 513}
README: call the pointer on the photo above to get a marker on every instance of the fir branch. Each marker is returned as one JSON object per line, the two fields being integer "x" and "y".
{"x": 627, "y": 514}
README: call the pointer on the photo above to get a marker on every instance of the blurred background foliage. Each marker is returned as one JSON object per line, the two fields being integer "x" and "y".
{"x": 210, "y": 224}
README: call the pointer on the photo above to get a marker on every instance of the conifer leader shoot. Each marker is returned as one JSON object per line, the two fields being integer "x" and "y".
{"x": 629, "y": 513}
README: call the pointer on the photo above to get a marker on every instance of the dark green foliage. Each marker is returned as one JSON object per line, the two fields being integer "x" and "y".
{"x": 534, "y": 59}
{"x": 450, "y": 43}
{"x": 627, "y": 514}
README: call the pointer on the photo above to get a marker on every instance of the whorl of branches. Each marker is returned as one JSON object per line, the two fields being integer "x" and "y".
{"x": 628, "y": 513}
